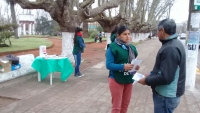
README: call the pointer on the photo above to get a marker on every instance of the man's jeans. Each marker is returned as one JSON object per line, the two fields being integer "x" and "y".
{"x": 164, "y": 104}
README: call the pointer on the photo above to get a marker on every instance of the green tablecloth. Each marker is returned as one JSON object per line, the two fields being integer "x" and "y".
{"x": 47, "y": 66}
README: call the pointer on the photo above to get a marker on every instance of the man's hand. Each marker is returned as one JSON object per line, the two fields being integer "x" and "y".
{"x": 128, "y": 66}
{"x": 137, "y": 67}
{"x": 142, "y": 81}
{"x": 146, "y": 75}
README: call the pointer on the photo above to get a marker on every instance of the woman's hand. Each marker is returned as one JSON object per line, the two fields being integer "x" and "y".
{"x": 128, "y": 66}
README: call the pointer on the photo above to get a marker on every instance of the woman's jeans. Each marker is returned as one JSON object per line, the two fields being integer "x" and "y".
{"x": 164, "y": 104}
{"x": 121, "y": 96}
{"x": 77, "y": 58}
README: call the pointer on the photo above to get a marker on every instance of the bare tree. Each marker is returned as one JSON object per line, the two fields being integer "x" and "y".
{"x": 1, "y": 15}
{"x": 181, "y": 28}
{"x": 18, "y": 11}
{"x": 154, "y": 11}
{"x": 158, "y": 10}
{"x": 62, "y": 11}
{"x": 141, "y": 16}
{"x": 13, "y": 15}
{"x": 6, "y": 14}
{"x": 85, "y": 29}
{"x": 85, "y": 26}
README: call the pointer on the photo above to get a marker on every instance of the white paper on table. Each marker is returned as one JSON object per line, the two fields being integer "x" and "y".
{"x": 135, "y": 62}
{"x": 137, "y": 77}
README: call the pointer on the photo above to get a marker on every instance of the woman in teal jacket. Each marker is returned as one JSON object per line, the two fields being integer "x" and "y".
{"x": 79, "y": 46}
{"x": 118, "y": 61}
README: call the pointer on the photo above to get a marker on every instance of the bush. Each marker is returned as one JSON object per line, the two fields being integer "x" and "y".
{"x": 94, "y": 34}
{"x": 8, "y": 27}
{"x": 90, "y": 32}
{"x": 100, "y": 29}
{"x": 6, "y": 31}
{"x": 5, "y": 36}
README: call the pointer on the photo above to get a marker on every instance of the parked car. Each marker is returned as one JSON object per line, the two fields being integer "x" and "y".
{"x": 182, "y": 38}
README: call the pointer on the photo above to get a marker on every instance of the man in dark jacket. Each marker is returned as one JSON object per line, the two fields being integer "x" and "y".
{"x": 167, "y": 78}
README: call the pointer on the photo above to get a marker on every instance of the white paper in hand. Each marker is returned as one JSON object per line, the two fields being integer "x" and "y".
{"x": 137, "y": 77}
{"x": 135, "y": 62}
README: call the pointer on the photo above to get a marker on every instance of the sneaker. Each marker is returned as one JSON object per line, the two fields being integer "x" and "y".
{"x": 77, "y": 75}
{"x": 81, "y": 74}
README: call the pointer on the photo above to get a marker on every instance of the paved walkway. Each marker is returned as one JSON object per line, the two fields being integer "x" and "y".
{"x": 89, "y": 94}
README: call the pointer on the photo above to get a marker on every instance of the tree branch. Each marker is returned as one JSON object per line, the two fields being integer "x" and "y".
{"x": 86, "y": 3}
{"x": 60, "y": 3}
{"x": 26, "y": 4}
{"x": 93, "y": 19}
{"x": 107, "y": 5}
{"x": 153, "y": 8}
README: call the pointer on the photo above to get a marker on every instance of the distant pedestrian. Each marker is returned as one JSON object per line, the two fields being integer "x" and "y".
{"x": 118, "y": 58}
{"x": 100, "y": 37}
{"x": 149, "y": 36}
{"x": 95, "y": 39}
{"x": 78, "y": 48}
{"x": 167, "y": 79}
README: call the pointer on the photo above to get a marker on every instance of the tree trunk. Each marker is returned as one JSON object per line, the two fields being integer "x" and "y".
{"x": 85, "y": 30}
{"x": 108, "y": 40}
{"x": 67, "y": 45}
{"x": 14, "y": 21}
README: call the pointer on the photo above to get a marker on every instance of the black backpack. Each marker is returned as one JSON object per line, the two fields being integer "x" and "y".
{"x": 14, "y": 59}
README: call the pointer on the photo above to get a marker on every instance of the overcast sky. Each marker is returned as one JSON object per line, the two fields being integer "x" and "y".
{"x": 179, "y": 11}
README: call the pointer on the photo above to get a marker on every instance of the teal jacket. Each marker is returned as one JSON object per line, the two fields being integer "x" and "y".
{"x": 116, "y": 57}
{"x": 79, "y": 45}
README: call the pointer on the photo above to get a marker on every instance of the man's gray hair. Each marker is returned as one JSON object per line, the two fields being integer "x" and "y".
{"x": 169, "y": 26}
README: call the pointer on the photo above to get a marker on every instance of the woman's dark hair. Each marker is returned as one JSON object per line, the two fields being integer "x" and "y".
{"x": 169, "y": 26}
{"x": 121, "y": 29}
{"x": 114, "y": 30}
{"x": 78, "y": 29}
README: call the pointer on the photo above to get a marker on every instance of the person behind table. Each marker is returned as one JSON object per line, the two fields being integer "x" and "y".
{"x": 119, "y": 55}
{"x": 78, "y": 48}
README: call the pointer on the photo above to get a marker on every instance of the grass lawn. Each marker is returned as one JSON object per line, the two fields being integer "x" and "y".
{"x": 91, "y": 39}
{"x": 25, "y": 44}
{"x": 88, "y": 39}
{"x": 85, "y": 39}
{"x": 33, "y": 36}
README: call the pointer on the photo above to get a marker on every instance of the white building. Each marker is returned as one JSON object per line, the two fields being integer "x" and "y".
{"x": 26, "y": 24}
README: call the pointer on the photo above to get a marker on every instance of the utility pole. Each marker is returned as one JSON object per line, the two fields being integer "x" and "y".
{"x": 192, "y": 43}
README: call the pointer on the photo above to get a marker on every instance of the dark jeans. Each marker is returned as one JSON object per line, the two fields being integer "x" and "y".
{"x": 165, "y": 104}
{"x": 77, "y": 58}
{"x": 100, "y": 39}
